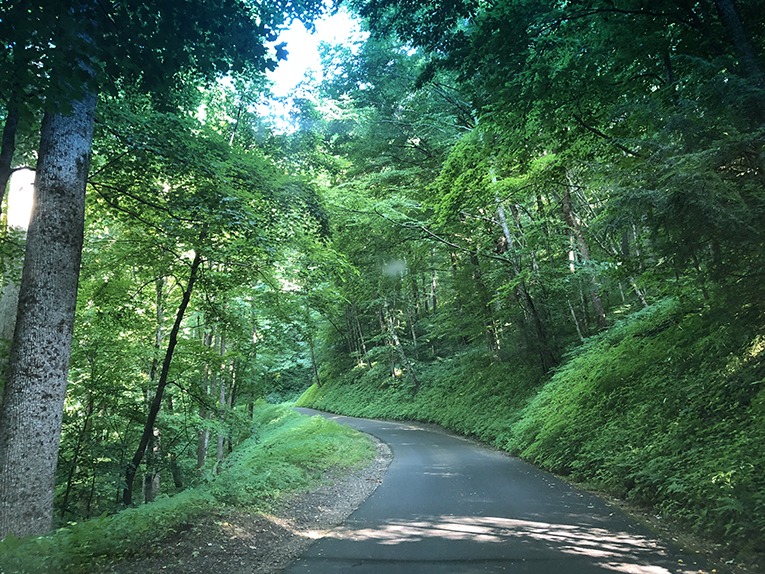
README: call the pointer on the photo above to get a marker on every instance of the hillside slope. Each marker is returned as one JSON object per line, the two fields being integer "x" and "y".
{"x": 666, "y": 408}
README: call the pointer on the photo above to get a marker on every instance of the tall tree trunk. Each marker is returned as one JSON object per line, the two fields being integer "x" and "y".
{"x": 175, "y": 471}
{"x": 76, "y": 455}
{"x": 9, "y": 305}
{"x": 546, "y": 355}
{"x": 536, "y": 312}
{"x": 415, "y": 295}
{"x": 740, "y": 40}
{"x": 221, "y": 402}
{"x": 576, "y": 231}
{"x": 153, "y": 450}
{"x": 463, "y": 339}
{"x": 383, "y": 331}
{"x": 203, "y": 437}
{"x": 150, "y": 486}
{"x": 360, "y": 332}
{"x": 33, "y": 402}
{"x": 400, "y": 349}
{"x": 432, "y": 295}
{"x": 425, "y": 297}
{"x": 148, "y": 429}
{"x": 311, "y": 347}
{"x": 8, "y": 146}
{"x": 485, "y": 301}
{"x": 575, "y": 318}
{"x": 354, "y": 348}
{"x": 313, "y": 362}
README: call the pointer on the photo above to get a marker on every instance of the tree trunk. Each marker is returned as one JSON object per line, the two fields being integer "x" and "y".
{"x": 8, "y": 146}
{"x": 176, "y": 471}
{"x": 432, "y": 295}
{"x": 221, "y": 403}
{"x": 9, "y": 305}
{"x": 150, "y": 487}
{"x": 148, "y": 429}
{"x": 484, "y": 300}
{"x": 33, "y": 402}
{"x": 415, "y": 295}
{"x": 576, "y": 231}
{"x": 425, "y": 296}
{"x": 546, "y": 356}
{"x": 311, "y": 348}
{"x": 740, "y": 40}
{"x": 383, "y": 331}
{"x": 362, "y": 342}
{"x": 400, "y": 349}
{"x": 203, "y": 437}
{"x": 153, "y": 450}
{"x": 203, "y": 444}
{"x": 313, "y": 362}
{"x": 76, "y": 455}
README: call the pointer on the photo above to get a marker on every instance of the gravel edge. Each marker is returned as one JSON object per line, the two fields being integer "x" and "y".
{"x": 312, "y": 515}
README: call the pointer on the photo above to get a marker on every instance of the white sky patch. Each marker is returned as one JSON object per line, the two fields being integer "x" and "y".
{"x": 303, "y": 48}
{"x": 303, "y": 59}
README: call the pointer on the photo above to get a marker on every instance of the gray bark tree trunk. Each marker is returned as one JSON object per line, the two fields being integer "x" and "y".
{"x": 222, "y": 378}
{"x": 576, "y": 232}
{"x": 8, "y": 145}
{"x": 740, "y": 39}
{"x": 203, "y": 437}
{"x": 33, "y": 402}
{"x": 151, "y": 478}
{"x": 524, "y": 298}
{"x": 400, "y": 349}
{"x": 9, "y": 304}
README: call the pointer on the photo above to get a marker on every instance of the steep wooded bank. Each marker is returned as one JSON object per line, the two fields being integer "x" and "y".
{"x": 667, "y": 409}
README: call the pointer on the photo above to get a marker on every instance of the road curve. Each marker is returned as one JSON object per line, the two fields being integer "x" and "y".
{"x": 448, "y": 505}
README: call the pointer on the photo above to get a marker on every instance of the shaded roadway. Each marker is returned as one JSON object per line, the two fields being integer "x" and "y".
{"x": 449, "y": 505}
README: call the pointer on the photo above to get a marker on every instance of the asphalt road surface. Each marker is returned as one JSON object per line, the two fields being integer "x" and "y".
{"x": 448, "y": 505}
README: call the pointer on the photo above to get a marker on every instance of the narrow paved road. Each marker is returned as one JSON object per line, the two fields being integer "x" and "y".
{"x": 447, "y": 505}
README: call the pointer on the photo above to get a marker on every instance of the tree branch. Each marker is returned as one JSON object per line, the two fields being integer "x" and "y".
{"x": 609, "y": 139}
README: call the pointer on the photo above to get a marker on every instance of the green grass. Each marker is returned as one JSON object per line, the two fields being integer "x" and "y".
{"x": 468, "y": 394}
{"x": 286, "y": 452}
{"x": 667, "y": 409}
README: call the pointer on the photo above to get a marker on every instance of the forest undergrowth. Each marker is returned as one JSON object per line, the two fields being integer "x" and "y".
{"x": 287, "y": 452}
{"x": 664, "y": 410}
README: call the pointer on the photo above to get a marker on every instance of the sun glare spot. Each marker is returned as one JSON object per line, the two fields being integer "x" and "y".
{"x": 21, "y": 198}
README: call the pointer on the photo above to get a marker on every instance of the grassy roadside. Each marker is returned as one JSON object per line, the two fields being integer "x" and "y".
{"x": 665, "y": 410}
{"x": 286, "y": 452}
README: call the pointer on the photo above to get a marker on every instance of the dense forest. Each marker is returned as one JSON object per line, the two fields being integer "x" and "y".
{"x": 537, "y": 223}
